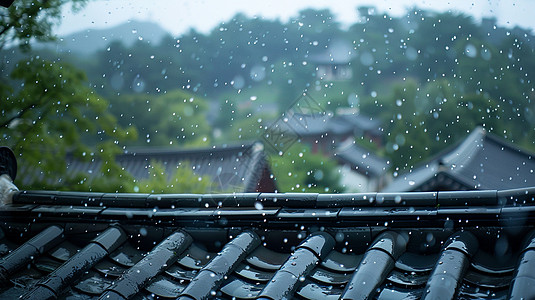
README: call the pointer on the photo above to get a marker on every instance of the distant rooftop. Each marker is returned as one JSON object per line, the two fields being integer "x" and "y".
{"x": 361, "y": 160}
{"x": 340, "y": 124}
{"x": 238, "y": 168}
{"x": 481, "y": 161}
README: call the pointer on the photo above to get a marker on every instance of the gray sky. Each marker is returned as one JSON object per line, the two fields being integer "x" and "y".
{"x": 178, "y": 16}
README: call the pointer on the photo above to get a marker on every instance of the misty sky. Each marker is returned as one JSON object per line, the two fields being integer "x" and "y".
{"x": 178, "y": 16}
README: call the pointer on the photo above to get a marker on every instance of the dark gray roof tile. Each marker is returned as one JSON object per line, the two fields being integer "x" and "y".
{"x": 392, "y": 292}
{"x": 408, "y": 279}
{"x": 28, "y": 251}
{"x": 126, "y": 255}
{"x": 344, "y": 200}
{"x": 231, "y": 199}
{"x": 174, "y": 200}
{"x": 339, "y": 262}
{"x": 203, "y": 285}
{"x": 288, "y": 199}
{"x": 253, "y": 274}
{"x": 110, "y": 269}
{"x": 298, "y": 266}
{"x": 444, "y": 281}
{"x": 328, "y": 277}
{"x": 181, "y": 274}
{"x": 313, "y": 291}
{"x": 155, "y": 262}
{"x": 523, "y": 284}
{"x": 409, "y": 199}
{"x": 163, "y": 286}
{"x": 320, "y": 243}
{"x": 468, "y": 198}
{"x": 392, "y": 243}
{"x": 195, "y": 259}
{"x": 517, "y": 196}
{"x": 467, "y": 291}
{"x": 488, "y": 264}
{"x": 377, "y": 263}
{"x": 291, "y": 214}
{"x": 74, "y": 212}
{"x": 283, "y": 284}
{"x": 490, "y": 281}
{"x": 64, "y": 251}
{"x": 464, "y": 242}
{"x": 93, "y": 284}
{"x": 72, "y": 269}
{"x": 211, "y": 276}
{"x": 47, "y": 264}
{"x": 387, "y": 213}
{"x": 248, "y": 212}
{"x": 412, "y": 262}
{"x": 240, "y": 289}
{"x": 266, "y": 259}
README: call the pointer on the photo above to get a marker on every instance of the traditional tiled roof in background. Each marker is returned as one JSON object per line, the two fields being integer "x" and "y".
{"x": 361, "y": 160}
{"x": 343, "y": 124}
{"x": 238, "y": 168}
{"x": 481, "y": 161}
{"x": 434, "y": 245}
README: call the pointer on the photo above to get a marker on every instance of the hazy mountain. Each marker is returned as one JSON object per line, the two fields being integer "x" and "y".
{"x": 91, "y": 40}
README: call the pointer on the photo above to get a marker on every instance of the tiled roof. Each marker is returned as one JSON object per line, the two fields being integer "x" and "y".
{"x": 320, "y": 124}
{"x": 481, "y": 161}
{"x": 361, "y": 160}
{"x": 431, "y": 245}
{"x": 238, "y": 168}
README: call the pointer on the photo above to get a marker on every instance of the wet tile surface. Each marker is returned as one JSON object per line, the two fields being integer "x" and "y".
{"x": 295, "y": 252}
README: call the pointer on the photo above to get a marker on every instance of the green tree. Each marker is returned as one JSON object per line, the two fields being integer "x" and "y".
{"x": 52, "y": 113}
{"x": 174, "y": 118}
{"x": 299, "y": 170}
{"x": 183, "y": 180}
{"x": 28, "y": 20}
{"x": 48, "y": 109}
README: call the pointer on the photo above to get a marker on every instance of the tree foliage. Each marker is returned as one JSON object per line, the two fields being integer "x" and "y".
{"x": 28, "y": 20}
{"x": 299, "y": 170}
{"x": 183, "y": 179}
{"x": 52, "y": 113}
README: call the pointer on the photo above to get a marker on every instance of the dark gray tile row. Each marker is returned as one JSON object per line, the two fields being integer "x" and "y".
{"x": 377, "y": 263}
{"x": 384, "y": 270}
{"x": 53, "y": 284}
{"x": 163, "y": 255}
{"x": 295, "y": 269}
{"x": 291, "y": 200}
{"x": 212, "y": 275}
{"x": 35, "y": 247}
{"x": 397, "y": 217}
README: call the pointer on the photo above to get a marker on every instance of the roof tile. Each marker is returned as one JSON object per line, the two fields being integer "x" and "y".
{"x": 163, "y": 255}
{"x": 55, "y": 282}
{"x": 211, "y": 276}
{"x": 450, "y": 268}
{"x": 36, "y": 246}
{"x": 377, "y": 263}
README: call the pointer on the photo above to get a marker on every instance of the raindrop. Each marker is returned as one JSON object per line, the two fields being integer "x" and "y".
{"x": 258, "y": 206}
